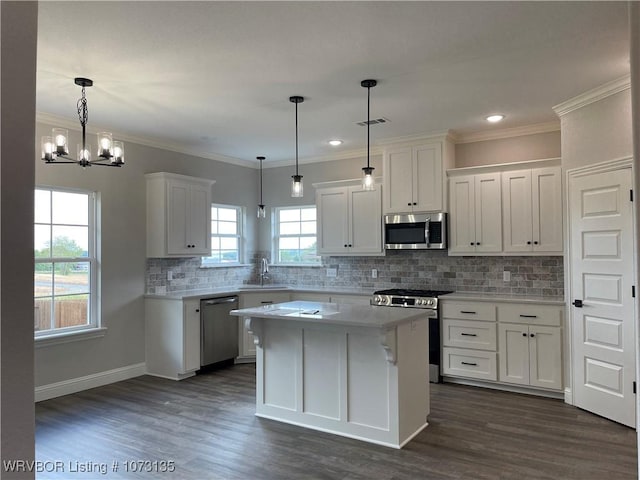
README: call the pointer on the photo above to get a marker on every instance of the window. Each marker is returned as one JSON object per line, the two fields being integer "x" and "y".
{"x": 226, "y": 235}
{"x": 295, "y": 235}
{"x": 65, "y": 274}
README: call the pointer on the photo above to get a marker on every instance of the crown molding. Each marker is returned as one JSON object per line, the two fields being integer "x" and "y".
{"x": 445, "y": 134}
{"x": 344, "y": 155}
{"x": 509, "y": 132}
{"x": 593, "y": 95}
{"x": 65, "y": 122}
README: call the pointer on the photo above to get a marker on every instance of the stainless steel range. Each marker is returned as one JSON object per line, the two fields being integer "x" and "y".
{"x": 425, "y": 299}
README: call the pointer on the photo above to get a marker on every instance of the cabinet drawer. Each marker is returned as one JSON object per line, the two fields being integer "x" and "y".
{"x": 469, "y": 363}
{"x": 469, "y": 310}
{"x": 530, "y": 314}
{"x": 469, "y": 334}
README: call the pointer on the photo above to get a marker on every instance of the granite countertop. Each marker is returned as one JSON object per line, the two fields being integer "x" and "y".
{"x": 503, "y": 297}
{"x": 335, "y": 314}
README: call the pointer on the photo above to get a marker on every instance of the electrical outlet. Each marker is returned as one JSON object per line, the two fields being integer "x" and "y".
{"x": 374, "y": 273}
{"x": 332, "y": 272}
{"x": 169, "y": 275}
{"x": 506, "y": 276}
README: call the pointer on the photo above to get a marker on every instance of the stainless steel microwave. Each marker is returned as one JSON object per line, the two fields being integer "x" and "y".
{"x": 427, "y": 230}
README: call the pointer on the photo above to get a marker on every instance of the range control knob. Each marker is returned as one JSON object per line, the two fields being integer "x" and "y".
{"x": 430, "y": 302}
{"x": 422, "y": 301}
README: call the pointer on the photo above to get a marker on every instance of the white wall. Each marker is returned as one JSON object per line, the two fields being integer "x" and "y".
{"x": 123, "y": 236}
{"x": 18, "y": 27}
{"x": 507, "y": 150}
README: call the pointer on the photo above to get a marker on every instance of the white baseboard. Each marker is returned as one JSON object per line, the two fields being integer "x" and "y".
{"x": 73, "y": 385}
{"x": 568, "y": 396}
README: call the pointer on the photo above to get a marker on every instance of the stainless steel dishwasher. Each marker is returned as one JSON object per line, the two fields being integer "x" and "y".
{"x": 219, "y": 330}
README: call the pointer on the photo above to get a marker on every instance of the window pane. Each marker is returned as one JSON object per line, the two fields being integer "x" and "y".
{"x": 290, "y": 228}
{"x": 228, "y": 243}
{"x": 70, "y": 241}
{"x": 42, "y": 206}
{"x": 71, "y": 311}
{"x": 308, "y": 227}
{"x": 215, "y": 243}
{"x": 214, "y": 228}
{"x": 43, "y": 280}
{"x": 290, "y": 215}
{"x": 70, "y": 208}
{"x": 229, "y": 256}
{"x": 227, "y": 214}
{"x": 308, "y": 214}
{"x": 307, "y": 242}
{"x": 289, "y": 243}
{"x": 214, "y": 213}
{"x": 71, "y": 278}
{"x": 42, "y": 241}
{"x": 227, "y": 228}
{"x": 42, "y": 313}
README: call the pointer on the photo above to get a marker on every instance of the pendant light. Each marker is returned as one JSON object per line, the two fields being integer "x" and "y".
{"x": 297, "y": 189}
{"x": 368, "y": 182}
{"x": 261, "y": 211}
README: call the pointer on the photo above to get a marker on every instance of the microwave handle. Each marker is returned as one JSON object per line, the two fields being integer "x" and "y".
{"x": 426, "y": 231}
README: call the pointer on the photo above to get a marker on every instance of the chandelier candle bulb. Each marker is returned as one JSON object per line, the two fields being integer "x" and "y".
{"x": 105, "y": 143}
{"x": 60, "y": 136}
{"x": 118, "y": 153}
{"x": 47, "y": 149}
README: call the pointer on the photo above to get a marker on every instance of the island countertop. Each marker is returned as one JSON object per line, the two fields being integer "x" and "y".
{"x": 335, "y": 313}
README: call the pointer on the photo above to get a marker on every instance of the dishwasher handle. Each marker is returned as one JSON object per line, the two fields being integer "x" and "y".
{"x": 219, "y": 301}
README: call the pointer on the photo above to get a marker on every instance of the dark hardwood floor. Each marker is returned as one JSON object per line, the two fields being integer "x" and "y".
{"x": 206, "y": 425}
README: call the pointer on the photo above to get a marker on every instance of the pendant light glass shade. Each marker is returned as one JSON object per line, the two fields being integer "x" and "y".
{"x": 261, "y": 210}
{"x": 297, "y": 188}
{"x": 368, "y": 182}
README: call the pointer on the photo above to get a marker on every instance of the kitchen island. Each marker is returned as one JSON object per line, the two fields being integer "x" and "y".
{"x": 353, "y": 370}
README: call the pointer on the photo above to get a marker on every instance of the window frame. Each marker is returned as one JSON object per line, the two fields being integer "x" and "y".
{"x": 275, "y": 225}
{"x": 239, "y": 235}
{"x": 94, "y": 324}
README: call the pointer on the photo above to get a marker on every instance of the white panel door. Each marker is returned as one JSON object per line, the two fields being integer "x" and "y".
{"x": 398, "y": 181}
{"x": 602, "y": 276}
{"x": 488, "y": 213}
{"x": 427, "y": 181}
{"x": 516, "y": 204}
{"x": 365, "y": 220}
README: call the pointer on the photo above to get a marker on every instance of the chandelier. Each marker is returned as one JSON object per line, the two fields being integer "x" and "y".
{"x": 55, "y": 149}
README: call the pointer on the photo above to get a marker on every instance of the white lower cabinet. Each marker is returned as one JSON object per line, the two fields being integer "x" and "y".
{"x": 506, "y": 343}
{"x": 247, "y": 347}
{"x": 172, "y": 331}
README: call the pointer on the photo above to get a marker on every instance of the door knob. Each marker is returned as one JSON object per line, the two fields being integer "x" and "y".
{"x": 577, "y": 303}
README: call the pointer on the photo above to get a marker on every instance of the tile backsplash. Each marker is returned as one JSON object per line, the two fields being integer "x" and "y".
{"x": 398, "y": 269}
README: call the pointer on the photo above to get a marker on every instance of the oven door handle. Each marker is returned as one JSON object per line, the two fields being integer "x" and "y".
{"x": 426, "y": 231}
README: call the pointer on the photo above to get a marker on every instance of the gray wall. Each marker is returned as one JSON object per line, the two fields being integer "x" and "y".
{"x": 508, "y": 150}
{"x": 123, "y": 234}
{"x": 19, "y": 22}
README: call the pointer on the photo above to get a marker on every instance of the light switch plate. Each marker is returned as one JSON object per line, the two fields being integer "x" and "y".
{"x": 506, "y": 276}
{"x": 332, "y": 272}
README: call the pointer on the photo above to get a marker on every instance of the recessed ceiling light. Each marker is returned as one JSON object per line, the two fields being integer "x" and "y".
{"x": 335, "y": 143}
{"x": 495, "y": 118}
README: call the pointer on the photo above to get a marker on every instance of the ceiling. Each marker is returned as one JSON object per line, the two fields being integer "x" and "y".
{"x": 214, "y": 78}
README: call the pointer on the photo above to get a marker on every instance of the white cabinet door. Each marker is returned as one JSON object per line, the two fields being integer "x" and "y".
{"x": 532, "y": 205}
{"x": 475, "y": 219}
{"x": 427, "y": 178}
{"x": 365, "y": 221}
{"x": 191, "y": 332}
{"x": 398, "y": 180}
{"x": 547, "y": 209}
{"x": 333, "y": 222}
{"x": 545, "y": 360}
{"x": 178, "y": 206}
{"x": 200, "y": 220}
{"x": 462, "y": 230}
{"x": 514, "y": 353}
{"x": 516, "y": 203}
{"x": 488, "y": 214}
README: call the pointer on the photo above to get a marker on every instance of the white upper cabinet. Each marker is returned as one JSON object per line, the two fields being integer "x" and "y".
{"x": 178, "y": 215}
{"x": 349, "y": 220}
{"x": 532, "y": 206}
{"x": 475, "y": 219}
{"x": 413, "y": 177}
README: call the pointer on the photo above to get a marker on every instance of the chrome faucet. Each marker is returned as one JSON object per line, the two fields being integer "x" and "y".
{"x": 264, "y": 270}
